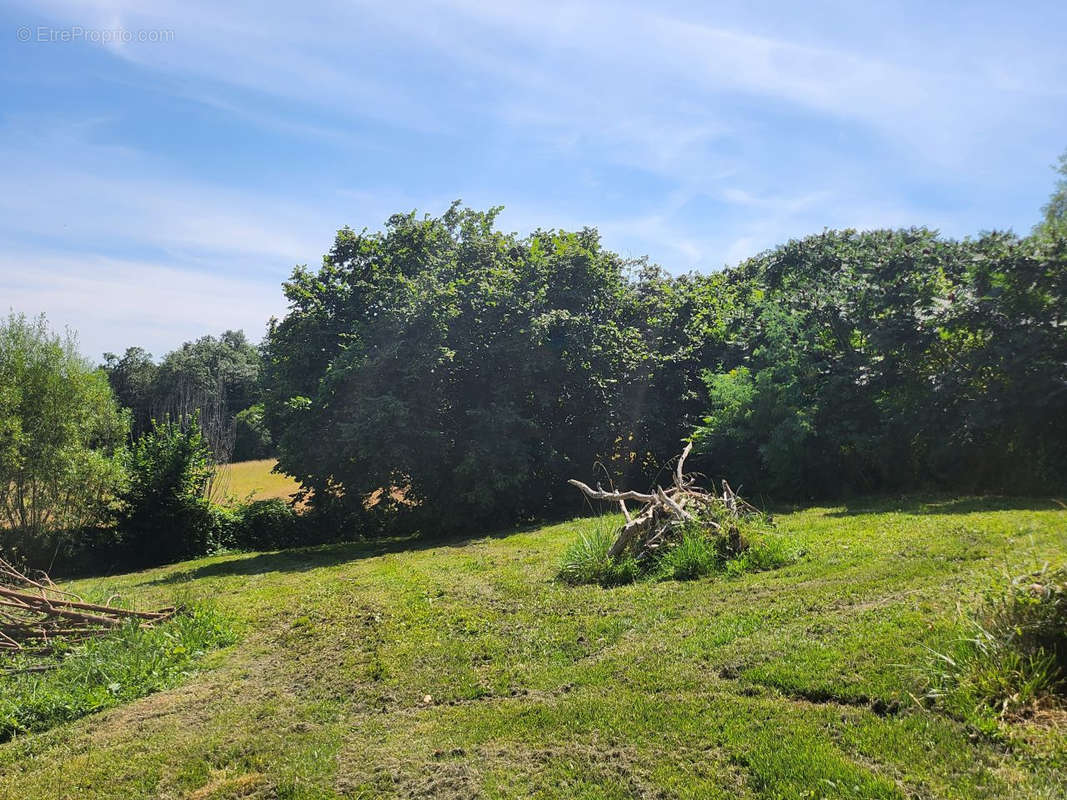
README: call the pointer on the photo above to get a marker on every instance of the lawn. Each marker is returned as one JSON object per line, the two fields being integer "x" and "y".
{"x": 421, "y": 669}
{"x": 253, "y": 479}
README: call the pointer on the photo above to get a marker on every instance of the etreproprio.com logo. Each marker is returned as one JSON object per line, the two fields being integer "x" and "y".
{"x": 77, "y": 33}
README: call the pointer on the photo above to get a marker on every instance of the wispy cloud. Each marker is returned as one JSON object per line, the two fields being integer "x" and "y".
{"x": 696, "y": 133}
{"x": 115, "y": 303}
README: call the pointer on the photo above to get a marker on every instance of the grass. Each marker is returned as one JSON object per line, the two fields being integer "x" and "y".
{"x": 415, "y": 669}
{"x": 1010, "y": 660}
{"x": 253, "y": 480}
{"x": 587, "y": 561}
{"x": 105, "y": 672}
{"x": 696, "y": 555}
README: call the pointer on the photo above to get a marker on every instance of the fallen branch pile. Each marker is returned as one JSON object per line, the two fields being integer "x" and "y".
{"x": 666, "y": 513}
{"x": 36, "y": 616}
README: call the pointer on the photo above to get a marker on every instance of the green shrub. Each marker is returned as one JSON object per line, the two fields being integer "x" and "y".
{"x": 225, "y": 525}
{"x": 1013, "y": 656}
{"x": 108, "y": 671}
{"x": 267, "y": 525}
{"x": 165, "y": 515}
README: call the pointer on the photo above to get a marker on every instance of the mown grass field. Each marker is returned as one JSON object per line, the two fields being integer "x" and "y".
{"x": 413, "y": 669}
{"x": 254, "y": 480}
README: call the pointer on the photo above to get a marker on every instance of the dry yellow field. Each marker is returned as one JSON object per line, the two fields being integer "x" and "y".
{"x": 252, "y": 479}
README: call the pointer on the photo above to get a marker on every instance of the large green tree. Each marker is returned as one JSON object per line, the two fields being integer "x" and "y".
{"x": 61, "y": 434}
{"x": 133, "y": 377}
{"x": 475, "y": 370}
{"x": 1054, "y": 213}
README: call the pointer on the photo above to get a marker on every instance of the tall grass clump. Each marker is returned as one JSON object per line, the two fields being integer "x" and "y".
{"x": 105, "y": 672}
{"x": 1012, "y": 659}
{"x": 587, "y": 561}
{"x": 748, "y": 545}
{"x": 694, "y": 556}
{"x": 764, "y": 552}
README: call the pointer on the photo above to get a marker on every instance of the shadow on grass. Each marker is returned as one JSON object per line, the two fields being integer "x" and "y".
{"x": 308, "y": 558}
{"x": 932, "y": 505}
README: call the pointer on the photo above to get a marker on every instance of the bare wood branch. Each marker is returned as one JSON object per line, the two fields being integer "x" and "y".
{"x": 40, "y": 614}
{"x": 675, "y": 507}
{"x": 600, "y": 494}
{"x": 665, "y": 512}
{"x": 630, "y": 530}
{"x": 679, "y": 476}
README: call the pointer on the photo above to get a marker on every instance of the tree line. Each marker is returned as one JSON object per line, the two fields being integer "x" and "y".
{"x": 475, "y": 370}
{"x": 442, "y": 374}
{"x": 218, "y": 378}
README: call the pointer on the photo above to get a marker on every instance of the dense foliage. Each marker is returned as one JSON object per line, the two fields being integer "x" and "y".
{"x": 166, "y": 516}
{"x": 448, "y": 371}
{"x": 215, "y": 378}
{"x": 473, "y": 372}
{"x": 61, "y": 439}
{"x": 893, "y": 360}
{"x": 444, "y": 375}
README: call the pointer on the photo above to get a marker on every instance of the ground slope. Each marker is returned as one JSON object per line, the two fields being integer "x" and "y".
{"x": 457, "y": 671}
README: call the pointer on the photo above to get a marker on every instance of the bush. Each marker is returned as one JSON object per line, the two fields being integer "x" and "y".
{"x": 266, "y": 525}
{"x": 1014, "y": 658}
{"x": 165, "y": 515}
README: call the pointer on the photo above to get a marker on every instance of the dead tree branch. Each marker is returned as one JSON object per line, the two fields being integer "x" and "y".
{"x": 666, "y": 513}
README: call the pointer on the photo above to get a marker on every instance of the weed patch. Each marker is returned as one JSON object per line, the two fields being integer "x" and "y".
{"x": 1011, "y": 659}
{"x": 693, "y": 557}
{"x": 106, "y": 672}
{"x": 587, "y": 561}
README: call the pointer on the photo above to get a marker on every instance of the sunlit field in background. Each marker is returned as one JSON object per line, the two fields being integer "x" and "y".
{"x": 252, "y": 480}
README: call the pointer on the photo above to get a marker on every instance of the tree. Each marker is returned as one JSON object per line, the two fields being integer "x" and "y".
{"x": 133, "y": 378}
{"x": 1055, "y": 210}
{"x": 61, "y": 436}
{"x": 251, "y": 437}
{"x": 471, "y": 369}
{"x": 214, "y": 377}
{"x": 165, "y": 516}
{"x": 890, "y": 360}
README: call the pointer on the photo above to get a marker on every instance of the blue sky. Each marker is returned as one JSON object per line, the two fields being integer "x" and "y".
{"x": 155, "y": 191}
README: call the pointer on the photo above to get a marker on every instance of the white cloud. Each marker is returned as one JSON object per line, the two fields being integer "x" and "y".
{"x": 115, "y": 303}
